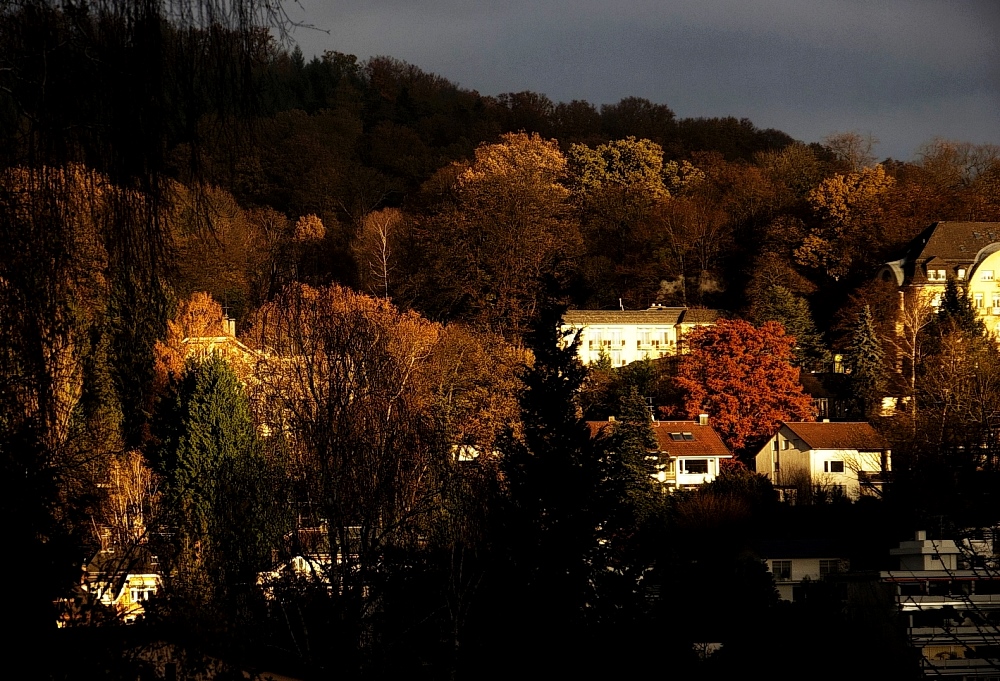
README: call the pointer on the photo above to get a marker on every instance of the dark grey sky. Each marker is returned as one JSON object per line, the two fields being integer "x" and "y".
{"x": 905, "y": 71}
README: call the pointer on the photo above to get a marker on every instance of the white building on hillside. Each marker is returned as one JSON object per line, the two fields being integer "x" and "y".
{"x": 625, "y": 336}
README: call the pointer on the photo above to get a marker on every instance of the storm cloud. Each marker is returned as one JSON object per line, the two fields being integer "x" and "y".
{"x": 903, "y": 71}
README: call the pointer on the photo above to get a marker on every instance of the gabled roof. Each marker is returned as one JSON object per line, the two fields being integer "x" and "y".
{"x": 652, "y": 316}
{"x": 678, "y": 438}
{"x": 956, "y": 242}
{"x": 700, "y": 316}
{"x": 849, "y": 435}
{"x": 704, "y": 441}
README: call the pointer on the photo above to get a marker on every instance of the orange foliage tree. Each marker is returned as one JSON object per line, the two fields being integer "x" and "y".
{"x": 743, "y": 378}
{"x": 197, "y": 316}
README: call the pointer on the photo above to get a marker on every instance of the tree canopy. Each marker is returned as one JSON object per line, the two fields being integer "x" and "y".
{"x": 743, "y": 378}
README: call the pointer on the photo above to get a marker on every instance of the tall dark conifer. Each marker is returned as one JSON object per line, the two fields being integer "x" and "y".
{"x": 219, "y": 492}
{"x": 866, "y": 359}
{"x": 553, "y": 475}
{"x": 957, "y": 313}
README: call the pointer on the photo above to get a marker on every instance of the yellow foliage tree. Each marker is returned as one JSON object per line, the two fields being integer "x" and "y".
{"x": 198, "y": 316}
{"x": 850, "y": 209}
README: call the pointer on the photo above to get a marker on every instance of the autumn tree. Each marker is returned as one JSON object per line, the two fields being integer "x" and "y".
{"x": 505, "y": 228}
{"x": 852, "y": 149}
{"x": 197, "y": 316}
{"x": 617, "y": 186}
{"x": 850, "y": 209}
{"x": 690, "y": 234}
{"x": 743, "y": 378}
{"x": 474, "y": 378}
{"x": 910, "y": 342}
{"x": 342, "y": 376}
{"x": 377, "y": 250}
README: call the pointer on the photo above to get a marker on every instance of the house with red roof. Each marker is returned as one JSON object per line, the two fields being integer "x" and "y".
{"x": 848, "y": 459}
{"x": 688, "y": 453}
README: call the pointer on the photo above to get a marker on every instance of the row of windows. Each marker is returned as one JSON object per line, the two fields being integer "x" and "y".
{"x": 942, "y": 275}
{"x": 828, "y": 466}
{"x": 782, "y": 569}
{"x": 978, "y": 299}
{"x": 646, "y": 337}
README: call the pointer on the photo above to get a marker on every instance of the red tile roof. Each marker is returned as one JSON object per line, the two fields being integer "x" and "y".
{"x": 853, "y": 435}
{"x": 704, "y": 440}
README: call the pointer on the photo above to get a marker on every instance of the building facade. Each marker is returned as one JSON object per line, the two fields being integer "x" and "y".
{"x": 625, "y": 336}
{"x": 950, "y": 606}
{"x": 829, "y": 459}
{"x": 968, "y": 252}
{"x": 688, "y": 453}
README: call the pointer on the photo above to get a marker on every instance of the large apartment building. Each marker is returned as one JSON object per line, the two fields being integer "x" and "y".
{"x": 968, "y": 252}
{"x": 625, "y": 336}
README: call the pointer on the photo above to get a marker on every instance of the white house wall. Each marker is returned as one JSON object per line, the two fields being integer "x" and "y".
{"x": 984, "y": 290}
{"x": 625, "y": 343}
{"x": 796, "y": 464}
{"x": 793, "y": 463}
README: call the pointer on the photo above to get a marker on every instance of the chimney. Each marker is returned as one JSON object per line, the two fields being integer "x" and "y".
{"x": 611, "y": 419}
{"x": 229, "y": 326}
{"x": 702, "y": 419}
{"x": 920, "y": 535}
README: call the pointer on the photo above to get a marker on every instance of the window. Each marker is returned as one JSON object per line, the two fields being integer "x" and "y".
{"x": 936, "y": 275}
{"x": 688, "y": 437}
{"x": 782, "y": 570}
{"x": 987, "y": 275}
{"x": 829, "y": 567}
{"x": 977, "y": 299}
{"x": 961, "y": 273}
{"x": 694, "y": 466}
{"x": 996, "y": 300}
{"x": 936, "y": 300}
{"x": 833, "y": 466}
{"x": 774, "y": 445}
{"x": 785, "y": 444}
{"x": 676, "y": 437}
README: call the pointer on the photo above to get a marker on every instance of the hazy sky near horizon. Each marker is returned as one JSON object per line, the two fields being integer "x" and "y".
{"x": 905, "y": 71}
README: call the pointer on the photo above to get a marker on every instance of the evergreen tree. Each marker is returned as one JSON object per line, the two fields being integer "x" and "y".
{"x": 553, "y": 480}
{"x": 626, "y": 503}
{"x": 220, "y": 490}
{"x": 956, "y": 313}
{"x": 866, "y": 360}
{"x": 778, "y": 304}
